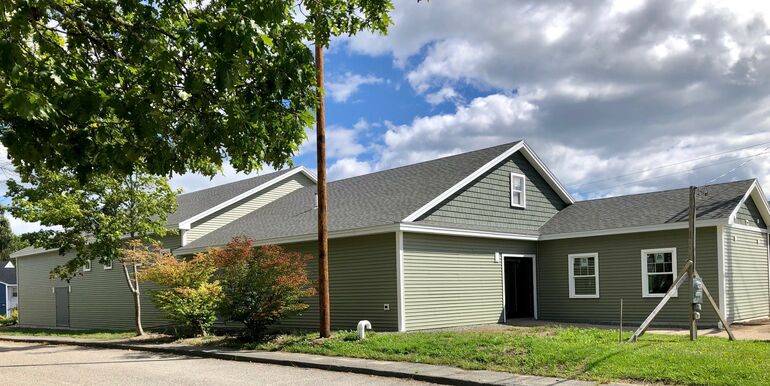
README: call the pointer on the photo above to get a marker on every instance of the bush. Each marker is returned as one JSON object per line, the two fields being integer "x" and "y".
{"x": 187, "y": 294}
{"x": 261, "y": 285}
{"x": 10, "y": 320}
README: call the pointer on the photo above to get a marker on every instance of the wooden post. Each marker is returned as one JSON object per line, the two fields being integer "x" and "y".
{"x": 620, "y": 330}
{"x": 691, "y": 250}
{"x": 323, "y": 229}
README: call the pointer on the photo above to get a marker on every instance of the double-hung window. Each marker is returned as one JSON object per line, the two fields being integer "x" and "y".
{"x": 87, "y": 266}
{"x": 518, "y": 190}
{"x": 584, "y": 275}
{"x": 658, "y": 271}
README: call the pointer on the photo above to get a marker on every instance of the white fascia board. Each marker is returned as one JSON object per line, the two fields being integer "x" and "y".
{"x": 187, "y": 224}
{"x": 639, "y": 229}
{"x": 743, "y": 199}
{"x": 306, "y": 237}
{"x": 519, "y": 146}
{"x": 546, "y": 173}
{"x": 465, "y": 181}
{"x": 417, "y": 228}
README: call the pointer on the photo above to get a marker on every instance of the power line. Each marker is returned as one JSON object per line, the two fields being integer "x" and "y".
{"x": 751, "y": 157}
{"x": 668, "y": 165}
{"x": 735, "y": 168}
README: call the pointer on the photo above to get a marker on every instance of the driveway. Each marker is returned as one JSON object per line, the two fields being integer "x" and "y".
{"x": 35, "y": 364}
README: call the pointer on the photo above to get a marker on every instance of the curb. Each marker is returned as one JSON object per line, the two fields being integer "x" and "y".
{"x": 318, "y": 362}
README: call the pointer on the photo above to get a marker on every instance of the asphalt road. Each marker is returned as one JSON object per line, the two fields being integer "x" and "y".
{"x": 35, "y": 364}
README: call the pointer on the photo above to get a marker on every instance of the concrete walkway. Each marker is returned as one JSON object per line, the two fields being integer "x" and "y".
{"x": 404, "y": 370}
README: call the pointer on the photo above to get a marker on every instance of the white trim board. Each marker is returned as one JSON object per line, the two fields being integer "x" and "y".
{"x": 187, "y": 224}
{"x": 410, "y": 228}
{"x": 526, "y": 151}
{"x": 639, "y": 229}
{"x": 400, "y": 281}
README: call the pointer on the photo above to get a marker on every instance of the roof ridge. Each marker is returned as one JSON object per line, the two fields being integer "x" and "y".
{"x": 238, "y": 181}
{"x": 506, "y": 145}
{"x": 663, "y": 191}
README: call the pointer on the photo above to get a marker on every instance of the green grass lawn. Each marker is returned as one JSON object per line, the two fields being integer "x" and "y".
{"x": 77, "y": 334}
{"x": 578, "y": 353}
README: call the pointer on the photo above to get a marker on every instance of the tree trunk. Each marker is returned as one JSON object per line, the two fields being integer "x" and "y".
{"x": 134, "y": 287}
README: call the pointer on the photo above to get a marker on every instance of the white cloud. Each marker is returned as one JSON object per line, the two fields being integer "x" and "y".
{"x": 483, "y": 122}
{"x": 348, "y": 167}
{"x": 598, "y": 88}
{"x": 342, "y": 88}
{"x": 445, "y": 94}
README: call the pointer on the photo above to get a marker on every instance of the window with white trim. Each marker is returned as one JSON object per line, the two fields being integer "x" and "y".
{"x": 584, "y": 275}
{"x": 518, "y": 190}
{"x": 87, "y": 266}
{"x": 108, "y": 265}
{"x": 658, "y": 271}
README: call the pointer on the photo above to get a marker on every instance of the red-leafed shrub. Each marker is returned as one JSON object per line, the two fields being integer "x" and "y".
{"x": 261, "y": 285}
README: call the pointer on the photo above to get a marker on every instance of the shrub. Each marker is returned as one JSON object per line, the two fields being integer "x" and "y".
{"x": 261, "y": 285}
{"x": 10, "y": 320}
{"x": 187, "y": 294}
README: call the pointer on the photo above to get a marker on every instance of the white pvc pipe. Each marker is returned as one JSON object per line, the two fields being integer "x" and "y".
{"x": 362, "y": 327}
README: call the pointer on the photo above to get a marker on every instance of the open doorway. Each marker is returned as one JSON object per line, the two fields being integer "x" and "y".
{"x": 520, "y": 301}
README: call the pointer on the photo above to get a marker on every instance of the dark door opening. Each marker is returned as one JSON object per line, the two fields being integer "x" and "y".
{"x": 62, "y": 306}
{"x": 519, "y": 288}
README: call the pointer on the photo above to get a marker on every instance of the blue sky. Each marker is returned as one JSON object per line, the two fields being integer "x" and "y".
{"x": 617, "y": 97}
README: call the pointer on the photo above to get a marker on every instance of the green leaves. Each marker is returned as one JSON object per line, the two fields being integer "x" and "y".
{"x": 94, "y": 219}
{"x": 113, "y": 86}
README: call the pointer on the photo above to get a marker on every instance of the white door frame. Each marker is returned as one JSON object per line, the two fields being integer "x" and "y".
{"x": 534, "y": 280}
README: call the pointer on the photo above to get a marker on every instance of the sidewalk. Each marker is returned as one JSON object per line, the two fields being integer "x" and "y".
{"x": 405, "y": 370}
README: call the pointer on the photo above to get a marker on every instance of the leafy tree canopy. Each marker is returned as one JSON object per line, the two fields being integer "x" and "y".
{"x": 163, "y": 86}
{"x": 96, "y": 218}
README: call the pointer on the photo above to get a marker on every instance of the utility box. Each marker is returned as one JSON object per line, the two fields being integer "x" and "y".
{"x": 697, "y": 290}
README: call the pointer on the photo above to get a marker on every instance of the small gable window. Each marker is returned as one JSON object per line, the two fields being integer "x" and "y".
{"x": 658, "y": 271}
{"x": 518, "y": 190}
{"x": 108, "y": 265}
{"x": 584, "y": 275}
{"x": 87, "y": 266}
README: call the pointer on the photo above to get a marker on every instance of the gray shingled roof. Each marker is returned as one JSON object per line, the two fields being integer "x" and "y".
{"x": 7, "y": 275}
{"x": 190, "y": 204}
{"x": 655, "y": 208}
{"x": 380, "y": 198}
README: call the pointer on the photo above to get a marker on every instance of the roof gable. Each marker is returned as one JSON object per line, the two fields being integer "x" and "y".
{"x": 199, "y": 204}
{"x": 486, "y": 202}
{"x": 519, "y": 146}
{"x": 755, "y": 202}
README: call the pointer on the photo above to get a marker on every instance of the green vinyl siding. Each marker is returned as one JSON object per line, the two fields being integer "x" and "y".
{"x": 99, "y": 298}
{"x": 746, "y": 274}
{"x": 748, "y": 214}
{"x": 453, "y": 281}
{"x": 247, "y": 205}
{"x": 36, "y": 299}
{"x": 620, "y": 276}
{"x": 487, "y": 201}
{"x": 362, "y": 279}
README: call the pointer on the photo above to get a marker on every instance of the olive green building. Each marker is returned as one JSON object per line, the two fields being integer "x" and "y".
{"x": 476, "y": 238}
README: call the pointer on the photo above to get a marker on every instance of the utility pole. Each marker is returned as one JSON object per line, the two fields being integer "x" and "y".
{"x": 323, "y": 226}
{"x": 691, "y": 270}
